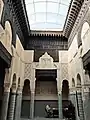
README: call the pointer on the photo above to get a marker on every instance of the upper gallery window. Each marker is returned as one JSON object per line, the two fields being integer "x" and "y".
{"x": 47, "y": 14}
{"x": 85, "y": 29}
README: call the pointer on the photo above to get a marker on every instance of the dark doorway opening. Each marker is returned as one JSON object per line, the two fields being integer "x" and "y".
{"x": 45, "y": 92}
{"x": 65, "y": 90}
{"x": 26, "y": 96}
{"x": 67, "y": 106}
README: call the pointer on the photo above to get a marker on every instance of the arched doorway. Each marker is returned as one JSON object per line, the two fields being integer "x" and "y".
{"x": 26, "y": 96}
{"x": 78, "y": 80}
{"x": 65, "y": 90}
{"x": 67, "y": 106}
{"x": 45, "y": 92}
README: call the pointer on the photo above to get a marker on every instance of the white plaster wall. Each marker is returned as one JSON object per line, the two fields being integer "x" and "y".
{"x": 63, "y": 56}
{"x": 17, "y": 65}
{"x": 73, "y": 49}
{"x": 86, "y": 41}
{"x": 63, "y": 66}
{"x": 52, "y": 97}
{"x": 75, "y": 65}
{"x": 4, "y": 39}
{"x": 28, "y": 56}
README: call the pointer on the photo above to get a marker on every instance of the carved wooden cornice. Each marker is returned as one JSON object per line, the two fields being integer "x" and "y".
{"x": 73, "y": 12}
{"x": 21, "y": 14}
{"x": 46, "y": 33}
{"x": 78, "y": 21}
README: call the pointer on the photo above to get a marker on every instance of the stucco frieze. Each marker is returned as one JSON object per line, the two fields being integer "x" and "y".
{"x": 27, "y": 71}
{"x": 46, "y": 62}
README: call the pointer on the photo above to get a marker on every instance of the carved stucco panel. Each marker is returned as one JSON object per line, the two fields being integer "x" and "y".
{"x": 64, "y": 71}
{"x": 27, "y": 71}
{"x": 46, "y": 62}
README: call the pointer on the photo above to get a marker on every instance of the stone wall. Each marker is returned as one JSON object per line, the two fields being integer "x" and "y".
{"x": 79, "y": 46}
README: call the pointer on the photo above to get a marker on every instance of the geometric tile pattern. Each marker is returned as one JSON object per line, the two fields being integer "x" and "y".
{"x": 27, "y": 71}
{"x": 64, "y": 71}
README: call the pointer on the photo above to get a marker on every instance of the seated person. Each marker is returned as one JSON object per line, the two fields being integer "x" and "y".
{"x": 49, "y": 111}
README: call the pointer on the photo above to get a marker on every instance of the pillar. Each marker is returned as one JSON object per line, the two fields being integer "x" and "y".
{"x": 32, "y": 104}
{"x": 18, "y": 104}
{"x": 11, "y": 112}
{"x": 5, "y": 104}
{"x": 6, "y": 95}
{"x": 32, "y": 88}
{"x": 59, "y": 88}
{"x": 60, "y": 104}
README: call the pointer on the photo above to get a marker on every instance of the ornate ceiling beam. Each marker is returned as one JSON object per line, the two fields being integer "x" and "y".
{"x": 73, "y": 12}
{"x": 20, "y": 11}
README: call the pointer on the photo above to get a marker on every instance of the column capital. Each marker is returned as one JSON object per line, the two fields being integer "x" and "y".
{"x": 19, "y": 90}
{"x": 33, "y": 91}
{"x": 86, "y": 89}
{"x": 78, "y": 91}
{"x": 59, "y": 92}
{"x": 14, "y": 90}
{"x": 7, "y": 87}
{"x": 7, "y": 70}
{"x": 78, "y": 88}
{"x": 73, "y": 92}
{"x": 7, "y": 90}
{"x": 73, "y": 89}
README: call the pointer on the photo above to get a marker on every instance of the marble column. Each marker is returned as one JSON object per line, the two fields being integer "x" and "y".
{"x": 5, "y": 102}
{"x": 6, "y": 95}
{"x": 18, "y": 105}
{"x": 60, "y": 105}
{"x": 11, "y": 112}
{"x": 32, "y": 88}
{"x": 32, "y": 104}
